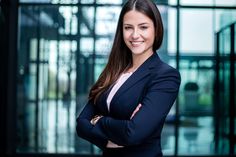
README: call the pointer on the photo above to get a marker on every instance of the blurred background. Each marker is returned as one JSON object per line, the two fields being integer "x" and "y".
{"x": 52, "y": 51}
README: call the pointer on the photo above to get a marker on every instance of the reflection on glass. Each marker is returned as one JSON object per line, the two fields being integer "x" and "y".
{"x": 196, "y": 91}
{"x": 195, "y": 136}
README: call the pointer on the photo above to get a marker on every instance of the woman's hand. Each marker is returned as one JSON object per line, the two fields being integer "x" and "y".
{"x": 109, "y": 143}
{"x": 113, "y": 145}
{"x": 95, "y": 119}
{"x": 136, "y": 110}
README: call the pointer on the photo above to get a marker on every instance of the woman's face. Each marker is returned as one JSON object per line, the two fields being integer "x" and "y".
{"x": 138, "y": 33}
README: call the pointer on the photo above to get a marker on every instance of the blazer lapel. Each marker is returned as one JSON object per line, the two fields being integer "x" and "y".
{"x": 140, "y": 73}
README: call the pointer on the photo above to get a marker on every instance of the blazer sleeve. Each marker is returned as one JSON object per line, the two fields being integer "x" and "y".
{"x": 157, "y": 102}
{"x": 86, "y": 130}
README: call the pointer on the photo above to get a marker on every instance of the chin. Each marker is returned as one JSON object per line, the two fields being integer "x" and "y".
{"x": 137, "y": 53}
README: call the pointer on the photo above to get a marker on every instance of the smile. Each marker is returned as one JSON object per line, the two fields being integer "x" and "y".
{"x": 136, "y": 43}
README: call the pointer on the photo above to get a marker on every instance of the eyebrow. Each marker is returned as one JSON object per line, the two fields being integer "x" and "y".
{"x": 138, "y": 24}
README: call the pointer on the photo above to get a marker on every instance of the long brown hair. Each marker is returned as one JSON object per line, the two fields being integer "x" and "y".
{"x": 120, "y": 57}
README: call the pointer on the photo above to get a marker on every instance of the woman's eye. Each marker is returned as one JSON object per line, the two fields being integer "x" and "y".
{"x": 127, "y": 28}
{"x": 143, "y": 27}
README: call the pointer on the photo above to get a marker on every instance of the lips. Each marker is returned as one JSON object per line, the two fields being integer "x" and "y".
{"x": 136, "y": 43}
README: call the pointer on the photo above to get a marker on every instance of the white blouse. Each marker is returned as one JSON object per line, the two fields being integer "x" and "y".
{"x": 123, "y": 77}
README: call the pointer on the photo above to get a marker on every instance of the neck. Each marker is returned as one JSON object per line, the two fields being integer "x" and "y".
{"x": 139, "y": 60}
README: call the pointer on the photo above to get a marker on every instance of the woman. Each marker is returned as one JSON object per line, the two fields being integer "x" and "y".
{"x": 129, "y": 102}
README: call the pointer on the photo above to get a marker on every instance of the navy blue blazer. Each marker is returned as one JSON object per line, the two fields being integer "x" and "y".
{"x": 155, "y": 85}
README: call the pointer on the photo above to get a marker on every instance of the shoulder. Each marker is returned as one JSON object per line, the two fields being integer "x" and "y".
{"x": 164, "y": 77}
{"x": 163, "y": 69}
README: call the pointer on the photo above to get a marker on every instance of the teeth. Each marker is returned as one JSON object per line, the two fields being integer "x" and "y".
{"x": 136, "y": 42}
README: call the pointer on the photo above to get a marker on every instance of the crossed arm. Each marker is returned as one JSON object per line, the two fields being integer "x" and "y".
{"x": 110, "y": 144}
{"x": 144, "y": 120}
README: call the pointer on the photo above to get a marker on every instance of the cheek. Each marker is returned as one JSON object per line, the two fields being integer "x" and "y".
{"x": 126, "y": 37}
{"x": 150, "y": 37}
{"x": 125, "y": 34}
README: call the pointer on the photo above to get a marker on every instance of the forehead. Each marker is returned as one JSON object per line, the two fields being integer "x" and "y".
{"x": 136, "y": 17}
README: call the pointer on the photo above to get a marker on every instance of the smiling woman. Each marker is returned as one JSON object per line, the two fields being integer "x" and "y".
{"x": 53, "y": 51}
{"x": 138, "y": 31}
{"x": 128, "y": 104}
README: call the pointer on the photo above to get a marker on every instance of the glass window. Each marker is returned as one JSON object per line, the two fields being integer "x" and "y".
{"x": 196, "y": 31}
{"x": 109, "y": 1}
{"x": 86, "y": 1}
{"x": 224, "y": 18}
{"x": 47, "y": 80}
{"x": 172, "y": 2}
{"x": 196, "y": 105}
{"x": 106, "y": 20}
{"x": 208, "y": 2}
{"x": 234, "y": 79}
{"x": 196, "y": 92}
{"x": 196, "y": 2}
{"x": 100, "y": 63}
{"x": 172, "y": 30}
{"x": 88, "y": 22}
{"x": 50, "y": 1}
{"x": 166, "y": 43}
{"x": 169, "y": 44}
{"x": 63, "y": 50}
{"x": 168, "y": 136}
{"x": 225, "y": 3}
{"x": 86, "y": 45}
{"x": 56, "y": 70}
{"x": 224, "y": 90}
{"x": 103, "y": 46}
{"x": 195, "y": 134}
{"x": 168, "y": 133}
{"x": 35, "y": 1}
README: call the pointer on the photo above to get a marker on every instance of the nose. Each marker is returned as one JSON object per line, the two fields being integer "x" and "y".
{"x": 135, "y": 34}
